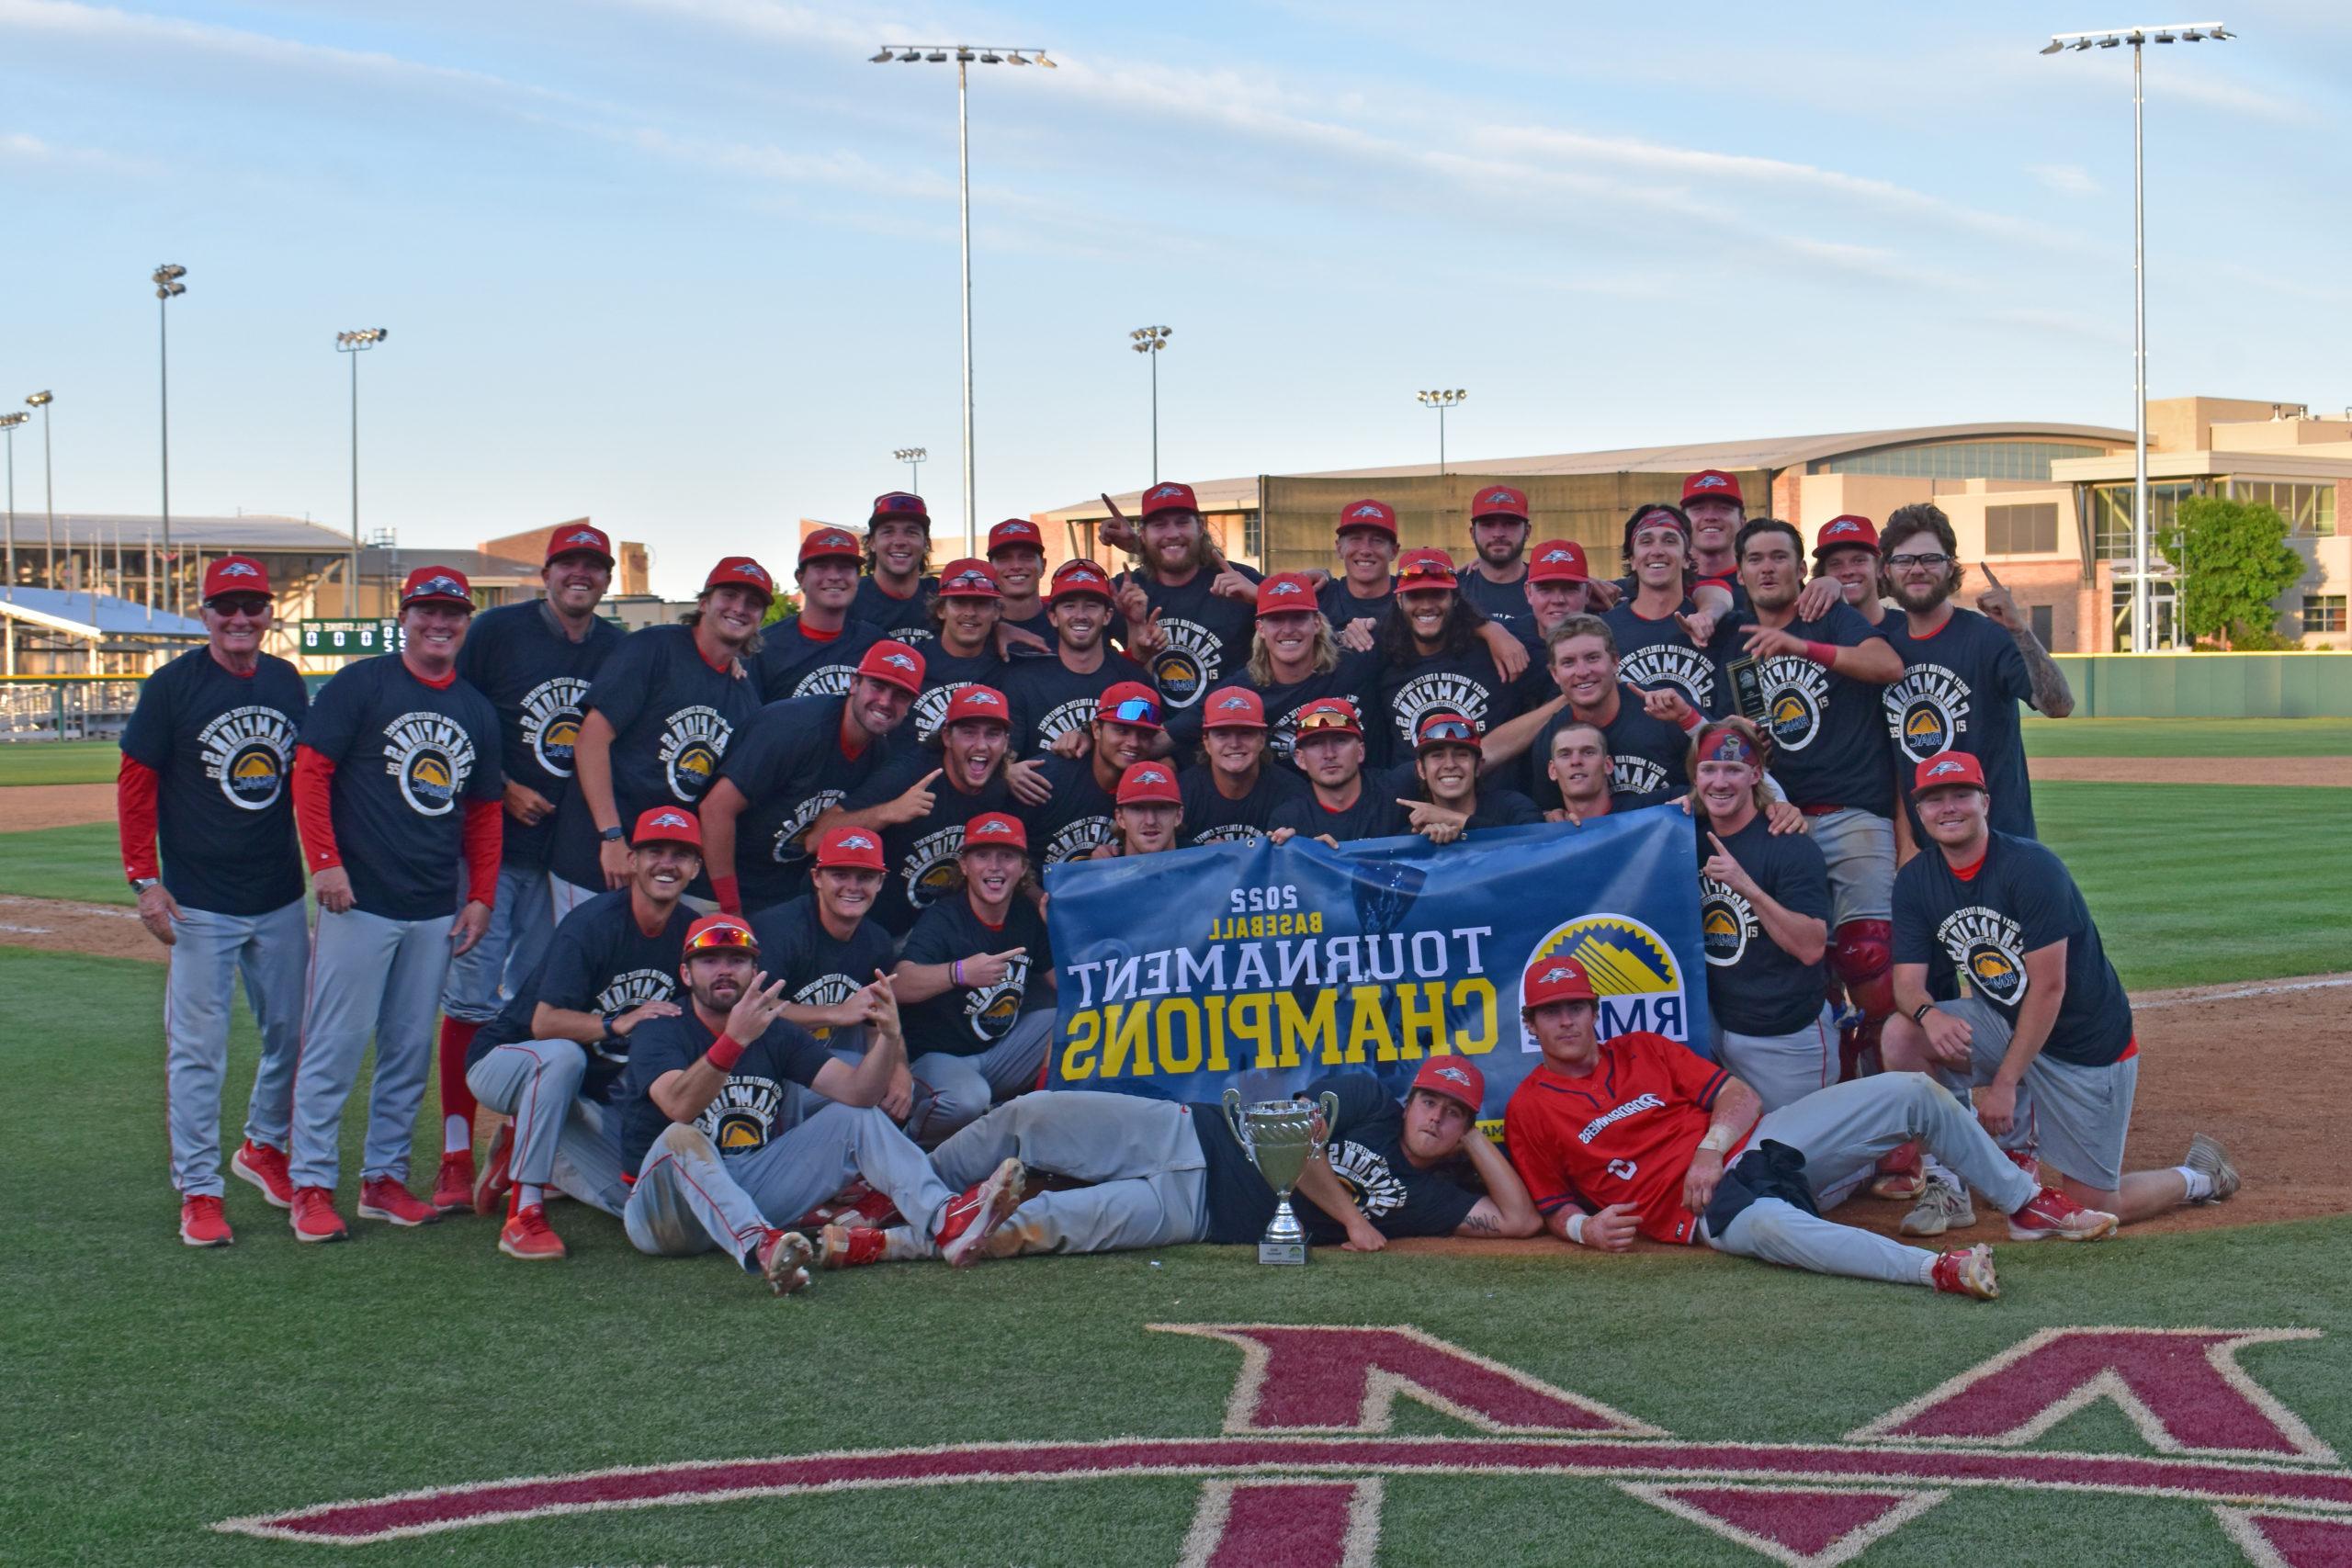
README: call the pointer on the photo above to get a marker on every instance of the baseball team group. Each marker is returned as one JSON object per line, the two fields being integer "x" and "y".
{"x": 737, "y": 924}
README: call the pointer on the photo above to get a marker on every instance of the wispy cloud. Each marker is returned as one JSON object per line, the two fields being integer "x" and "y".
{"x": 2066, "y": 179}
{"x": 25, "y": 151}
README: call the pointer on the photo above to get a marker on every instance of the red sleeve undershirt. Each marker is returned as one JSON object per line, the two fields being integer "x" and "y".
{"x": 485, "y": 839}
{"x": 313, "y": 813}
{"x": 134, "y": 809}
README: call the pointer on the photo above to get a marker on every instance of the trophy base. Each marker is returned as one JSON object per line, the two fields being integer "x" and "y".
{"x": 1281, "y": 1252}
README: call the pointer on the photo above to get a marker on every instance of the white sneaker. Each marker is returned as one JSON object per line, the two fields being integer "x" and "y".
{"x": 1943, "y": 1205}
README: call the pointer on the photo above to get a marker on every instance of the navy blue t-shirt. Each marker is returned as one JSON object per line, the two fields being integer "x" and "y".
{"x": 408, "y": 757}
{"x": 1375, "y": 814}
{"x": 1049, "y": 699}
{"x": 818, "y": 969}
{"x": 790, "y": 768}
{"x": 792, "y": 663}
{"x": 750, "y": 1109}
{"x": 1960, "y": 692}
{"x": 1356, "y": 678}
{"x": 944, "y": 674}
{"x": 2021, "y": 899}
{"x": 921, "y": 854}
{"x": 907, "y": 619}
{"x": 1649, "y": 758}
{"x": 221, "y": 746}
{"x": 1076, "y": 820}
{"x": 1337, "y": 599}
{"x": 1754, "y": 987}
{"x": 673, "y": 716}
{"x": 1505, "y": 603}
{"x": 1828, "y": 731}
{"x": 1651, "y": 654}
{"x": 1468, "y": 683}
{"x": 1367, "y": 1153}
{"x": 537, "y": 678}
{"x": 964, "y": 1021}
{"x": 1211, "y": 819}
{"x": 599, "y": 961}
{"x": 1207, "y": 637}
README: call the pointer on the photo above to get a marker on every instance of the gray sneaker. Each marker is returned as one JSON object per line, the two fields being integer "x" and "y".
{"x": 1942, "y": 1206}
{"x": 2207, "y": 1156}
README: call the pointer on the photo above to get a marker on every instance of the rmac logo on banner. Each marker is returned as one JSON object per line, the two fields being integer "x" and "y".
{"x": 1267, "y": 965}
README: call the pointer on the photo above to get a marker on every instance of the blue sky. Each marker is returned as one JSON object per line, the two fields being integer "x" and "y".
{"x": 689, "y": 266}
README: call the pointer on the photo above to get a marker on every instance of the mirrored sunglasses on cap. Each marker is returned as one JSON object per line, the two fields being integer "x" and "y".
{"x": 1132, "y": 710}
{"x": 1449, "y": 729}
{"x": 1326, "y": 718}
{"x": 722, "y": 938}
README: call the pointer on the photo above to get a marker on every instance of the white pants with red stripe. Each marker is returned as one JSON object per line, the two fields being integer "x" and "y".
{"x": 369, "y": 976}
{"x": 689, "y": 1198}
{"x": 209, "y": 955}
{"x": 1782, "y": 1068}
{"x": 561, "y": 1140}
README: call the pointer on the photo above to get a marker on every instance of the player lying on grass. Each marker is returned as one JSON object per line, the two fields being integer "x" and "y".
{"x": 710, "y": 1125}
{"x": 1162, "y": 1174}
{"x": 1639, "y": 1136}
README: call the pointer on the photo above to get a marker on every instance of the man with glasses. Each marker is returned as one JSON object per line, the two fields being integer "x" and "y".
{"x": 1077, "y": 818}
{"x": 1449, "y": 799}
{"x": 1330, "y": 749}
{"x": 205, "y": 760}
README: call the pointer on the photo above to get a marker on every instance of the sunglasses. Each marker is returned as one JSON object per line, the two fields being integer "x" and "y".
{"x": 1134, "y": 710}
{"x": 1308, "y": 723}
{"x": 1448, "y": 729}
{"x": 722, "y": 938}
{"x": 240, "y": 604}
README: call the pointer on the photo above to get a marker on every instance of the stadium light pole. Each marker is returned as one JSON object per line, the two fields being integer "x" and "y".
{"x": 9, "y": 422}
{"x": 1148, "y": 341}
{"x": 168, "y": 283}
{"x": 964, "y": 54}
{"x": 2192, "y": 32}
{"x": 353, "y": 344}
{"x": 914, "y": 457}
{"x": 41, "y": 401}
{"x": 1441, "y": 401}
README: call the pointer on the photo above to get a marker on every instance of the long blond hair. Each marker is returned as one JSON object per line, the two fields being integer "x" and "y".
{"x": 1325, "y": 659}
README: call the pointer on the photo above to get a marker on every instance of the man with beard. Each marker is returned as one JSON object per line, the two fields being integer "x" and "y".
{"x": 1053, "y": 698}
{"x": 1449, "y": 799}
{"x": 1963, "y": 673}
{"x": 964, "y": 614}
{"x": 1236, "y": 796}
{"x": 1845, "y": 552}
{"x": 554, "y": 1057}
{"x": 1495, "y": 583}
{"x": 1431, "y": 655}
{"x": 719, "y": 1151}
{"x": 1356, "y": 601}
{"x": 1294, "y": 660}
{"x": 1075, "y": 818}
{"x": 1188, "y": 613}
{"x": 798, "y": 759}
{"x": 660, "y": 717}
{"x": 532, "y": 660}
{"x": 894, "y": 595}
{"x": 977, "y": 982}
{"x": 1148, "y": 815}
{"x": 1343, "y": 803}
{"x": 814, "y": 653}
{"x": 920, "y": 802}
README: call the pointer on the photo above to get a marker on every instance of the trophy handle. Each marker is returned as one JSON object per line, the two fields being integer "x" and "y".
{"x": 1330, "y": 1107}
{"x": 1233, "y": 1115}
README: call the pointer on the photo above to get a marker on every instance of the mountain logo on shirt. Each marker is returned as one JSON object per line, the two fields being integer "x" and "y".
{"x": 741, "y": 1119}
{"x": 1926, "y": 711}
{"x": 246, "y": 752}
{"x": 824, "y": 991}
{"x": 1633, "y": 971}
{"x": 992, "y": 1010}
{"x": 1189, "y": 663}
{"x": 1726, "y": 922}
{"x": 790, "y": 845}
{"x": 1684, "y": 668}
{"x": 930, "y": 870}
{"x": 1988, "y": 948}
{"x": 431, "y": 756}
{"x": 692, "y": 741}
{"x": 550, "y": 716}
{"x": 1796, "y": 693}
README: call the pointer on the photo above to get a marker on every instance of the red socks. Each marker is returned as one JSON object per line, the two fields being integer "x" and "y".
{"x": 457, "y": 1099}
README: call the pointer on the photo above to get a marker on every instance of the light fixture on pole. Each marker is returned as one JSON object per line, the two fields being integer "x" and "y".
{"x": 1441, "y": 401}
{"x": 2192, "y": 32}
{"x": 1148, "y": 341}
{"x": 9, "y": 422}
{"x": 168, "y": 283}
{"x": 48, "y": 490}
{"x": 914, "y": 457}
{"x": 355, "y": 344}
{"x": 964, "y": 54}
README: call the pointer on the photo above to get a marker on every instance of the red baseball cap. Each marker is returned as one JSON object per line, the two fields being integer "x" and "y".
{"x": 1284, "y": 592}
{"x": 666, "y": 825}
{"x": 1498, "y": 501}
{"x": 1326, "y": 716}
{"x": 742, "y": 571}
{"x": 437, "y": 585}
{"x": 1000, "y": 828}
{"x": 860, "y": 848}
{"x": 1444, "y": 729}
{"x": 1234, "y": 707}
{"x": 1377, "y": 516}
{"x": 235, "y": 574}
{"x": 1129, "y": 702}
{"x": 1169, "y": 497}
{"x": 1456, "y": 1078}
{"x": 977, "y": 702}
{"x": 831, "y": 543}
{"x": 1146, "y": 782}
{"x": 969, "y": 579}
{"x": 580, "y": 539}
{"x": 894, "y": 661}
{"x": 899, "y": 503}
{"x": 1842, "y": 531}
{"x": 1713, "y": 484}
{"x": 1557, "y": 979}
{"x": 1080, "y": 577}
{"x": 1425, "y": 569}
{"x": 1948, "y": 770}
{"x": 1016, "y": 531}
{"x": 1559, "y": 560}
{"x": 714, "y": 933}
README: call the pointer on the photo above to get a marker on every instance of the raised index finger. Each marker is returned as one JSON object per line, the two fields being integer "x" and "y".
{"x": 931, "y": 778}
{"x": 1986, "y": 567}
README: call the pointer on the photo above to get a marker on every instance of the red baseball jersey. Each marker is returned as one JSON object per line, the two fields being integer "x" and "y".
{"x": 1624, "y": 1133}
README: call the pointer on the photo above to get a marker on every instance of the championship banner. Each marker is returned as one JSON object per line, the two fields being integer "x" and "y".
{"x": 1265, "y": 966}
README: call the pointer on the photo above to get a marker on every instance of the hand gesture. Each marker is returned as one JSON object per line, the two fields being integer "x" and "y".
{"x": 1612, "y": 1229}
{"x": 1699, "y": 626}
{"x": 1075, "y": 742}
{"x": 1782, "y": 818}
{"x": 1770, "y": 642}
{"x": 1232, "y": 585}
{"x": 1997, "y": 1107}
{"x": 157, "y": 910}
{"x": 1029, "y": 785}
{"x": 657, "y": 1007}
{"x": 526, "y": 805}
{"x": 1133, "y": 605}
{"x": 1432, "y": 821}
{"x": 1948, "y": 1037}
{"x": 1997, "y": 602}
{"x": 1356, "y": 636}
{"x": 917, "y": 803}
{"x": 1602, "y": 594}
{"x": 1117, "y": 530}
{"x": 755, "y": 1009}
{"x": 881, "y": 1007}
{"x": 332, "y": 885}
{"x": 1670, "y": 706}
{"x": 1699, "y": 1181}
{"x": 1723, "y": 866}
{"x": 1144, "y": 634}
{"x": 1821, "y": 595}
{"x": 987, "y": 969}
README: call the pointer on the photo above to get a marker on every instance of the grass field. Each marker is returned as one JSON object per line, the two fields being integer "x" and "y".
{"x": 82, "y": 861}
{"x": 153, "y": 1389}
{"x": 2188, "y": 738}
{"x": 59, "y": 762}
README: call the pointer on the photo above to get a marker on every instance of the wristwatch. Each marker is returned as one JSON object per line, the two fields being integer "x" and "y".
{"x": 139, "y": 885}
{"x": 611, "y": 835}
{"x": 1921, "y": 1012}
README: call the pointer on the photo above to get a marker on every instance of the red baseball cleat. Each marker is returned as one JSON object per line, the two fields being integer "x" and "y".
{"x": 381, "y": 1198}
{"x": 266, "y": 1168}
{"x": 528, "y": 1236}
{"x": 854, "y": 1246}
{"x": 784, "y": 1261}
{"x": 314, "y": 1217}
{"x": 202, "y": 1224}
{"x": 455, "y": 1188}
{"x": 1901, "y": 1174}
{"x": 2025, "y": 1160}
{"x": 976, "y": 1213}
{"x": 2052, "y": 1214}
{"x": 496, "y": 1178}
{"x": 1967, "y": 1273}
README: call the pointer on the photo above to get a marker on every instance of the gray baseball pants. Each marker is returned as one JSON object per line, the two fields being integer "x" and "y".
{"x": 963, "y": 1088}
{"x": 1842, "y": 1132}
{"x": 210, "y": 952}
{"x": 689, "y": 1198}
{"x": 368, "y": 975}
{"x": 561, "y": 1140}
{"x": 1859, "y": 848}
{"x": 1150, "y": 1182}
{"x": 2072, "y": 1117}
{"x": 521, "y": 924}
{"x": 1782, "y": 1068}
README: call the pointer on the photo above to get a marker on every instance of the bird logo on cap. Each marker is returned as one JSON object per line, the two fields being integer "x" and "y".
{"x": 1164, "y": 492}
{"x": 237, "y": 568}
{"x": 1710, "y": 482}
{"x": 1834, "y": 529}
{"x": 1279, "y": 589}
{"x": 832, "y": 539}
{"x": 754, "y": 570}
{"x": 1944, "y": 770}
{"x": 1558, "y": 973}
{"x": 1557, "y": 555}
{"x": 982, "y": 699}
{"x": 857, "y": 841}
{"x": 670, "y": 820}
{"x": 1232, "y": 703}
{"x": 584, "y": 537}
{"x": 900, "y": 660}
{"x": 1452, "y": 1075}
{"x": 994, "y": 825}
{"x": 1497, "y": 498}
{"x": 1368, "y": 510}
{"x": 1151, "y": 775}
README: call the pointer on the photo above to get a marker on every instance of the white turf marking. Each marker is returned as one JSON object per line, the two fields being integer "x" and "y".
{"x": 2279, "y": 989}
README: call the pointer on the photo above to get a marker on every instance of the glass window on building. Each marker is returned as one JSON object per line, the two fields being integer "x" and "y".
{"x": 1958, "y": 460}
{"x": 1253, "y": 536}
{"x": 2161, "y": 603}
{"x": 2324, "y": 611}
{"x": 2021, "y": 530}
{"x": 2309, "y": 509}
{"x": 2111, "y": 517}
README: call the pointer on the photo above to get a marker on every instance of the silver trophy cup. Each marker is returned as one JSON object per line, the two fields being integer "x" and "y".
{"x": 1279, "y": 1136}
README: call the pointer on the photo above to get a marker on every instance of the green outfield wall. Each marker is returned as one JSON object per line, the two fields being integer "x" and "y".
{"x": 2209, "y": 685}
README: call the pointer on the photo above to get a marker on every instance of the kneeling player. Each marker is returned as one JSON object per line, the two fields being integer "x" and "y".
{"x": 708, "y": 1123}
{"x": 1637, "y": 1135}
{"x": 1162, "y": 1174}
